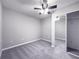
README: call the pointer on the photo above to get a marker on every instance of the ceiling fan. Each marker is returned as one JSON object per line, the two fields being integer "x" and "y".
{"x": 45, "y": 6}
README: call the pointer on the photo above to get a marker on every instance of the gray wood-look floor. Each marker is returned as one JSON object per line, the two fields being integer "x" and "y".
{"x": 38, "y": 50}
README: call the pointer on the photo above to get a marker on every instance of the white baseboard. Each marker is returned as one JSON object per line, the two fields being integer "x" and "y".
{"x": 19, "y": 44}
{"x": 73, "y": 54}
{"x": 46, "y": 40}
{"x": 60, "y": 39}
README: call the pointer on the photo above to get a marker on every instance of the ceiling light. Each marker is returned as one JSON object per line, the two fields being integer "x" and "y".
{"x": 46, "y": 11}
{"x": 43, "y": 11}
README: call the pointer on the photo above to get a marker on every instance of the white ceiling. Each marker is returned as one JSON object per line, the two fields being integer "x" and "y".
{"x": 27, "y": 6}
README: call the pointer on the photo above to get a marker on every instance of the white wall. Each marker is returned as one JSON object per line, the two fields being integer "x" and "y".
{"x": 46, "y": 29}
{"x": 0, "y": 26}
{"x": 60, "y": 28}
{"x": 18, "y": 28}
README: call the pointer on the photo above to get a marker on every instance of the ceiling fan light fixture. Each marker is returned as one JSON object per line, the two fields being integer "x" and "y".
{"x": 45, "y": 7}
{"x": 46, "y": 11}
{"x": 41, "y": 11}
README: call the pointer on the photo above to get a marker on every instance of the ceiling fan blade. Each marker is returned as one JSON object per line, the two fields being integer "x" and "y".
{"x": 43, "y": 6}
{"x": 52, "y": 7}
{"x": 37, "y": 8}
